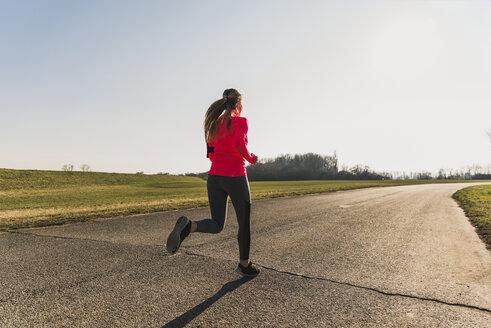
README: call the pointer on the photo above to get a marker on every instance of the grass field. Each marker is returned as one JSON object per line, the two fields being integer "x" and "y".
{"x": 37, "y": 198}
{"x": 476, "y": 202}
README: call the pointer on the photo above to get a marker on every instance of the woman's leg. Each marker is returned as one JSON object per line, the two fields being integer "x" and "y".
{"x": 238, "y": 189}
{"x": 217, "y": 198}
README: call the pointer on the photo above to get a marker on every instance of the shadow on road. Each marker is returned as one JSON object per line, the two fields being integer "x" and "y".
{"x": 186, "y": 317}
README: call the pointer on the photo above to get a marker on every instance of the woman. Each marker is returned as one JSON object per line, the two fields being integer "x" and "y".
{"x": 226, "y": 137}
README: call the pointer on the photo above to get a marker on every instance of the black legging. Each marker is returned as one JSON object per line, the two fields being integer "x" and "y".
{"x": 219, "y": 188}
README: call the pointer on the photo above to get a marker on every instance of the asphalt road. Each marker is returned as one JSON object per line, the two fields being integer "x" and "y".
{"x": 382, "y": 257}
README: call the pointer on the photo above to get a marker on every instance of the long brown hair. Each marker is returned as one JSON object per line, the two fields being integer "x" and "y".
{"x": 226, "y": 103}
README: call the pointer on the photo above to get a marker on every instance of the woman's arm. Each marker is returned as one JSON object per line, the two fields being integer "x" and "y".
{"x": 241, "y": 141}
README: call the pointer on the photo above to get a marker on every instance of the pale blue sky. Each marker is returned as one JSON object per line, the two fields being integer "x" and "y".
{"x": 123, "y": 85}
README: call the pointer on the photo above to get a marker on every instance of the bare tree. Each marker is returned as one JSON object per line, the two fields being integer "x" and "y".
{"x": 85, "y": 168}
{"x": 67, "y": 167}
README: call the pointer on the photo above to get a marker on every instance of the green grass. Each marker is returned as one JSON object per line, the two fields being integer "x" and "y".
{"x": 31, "y": 198}
{"x": 38, "y": 198}
{"x": 476, "y": 203}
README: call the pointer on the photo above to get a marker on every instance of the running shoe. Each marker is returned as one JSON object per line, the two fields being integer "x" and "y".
{"x": 249, "y": 271}
{"x": 177, "y": 235}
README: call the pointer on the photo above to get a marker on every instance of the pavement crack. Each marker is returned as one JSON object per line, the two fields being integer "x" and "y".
{"x": 421, "y": 298}
{"x": 378, "y": 290}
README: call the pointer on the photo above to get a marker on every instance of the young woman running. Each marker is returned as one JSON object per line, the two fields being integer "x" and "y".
{"x": 226, "y": 137}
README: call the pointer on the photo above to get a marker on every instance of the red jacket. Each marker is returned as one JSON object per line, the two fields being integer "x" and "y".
{"x": 230, "y": 148}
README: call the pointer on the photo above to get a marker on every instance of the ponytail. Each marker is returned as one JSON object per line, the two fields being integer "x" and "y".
{"x": 227, "y": 103}
{"x": 212, "y": 114}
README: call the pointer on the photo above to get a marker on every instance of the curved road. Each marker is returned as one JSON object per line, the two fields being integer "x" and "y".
{"x": 395, "y": 257}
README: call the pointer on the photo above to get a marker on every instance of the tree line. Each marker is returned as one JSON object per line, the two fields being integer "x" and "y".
{"x": 309, "y": 166}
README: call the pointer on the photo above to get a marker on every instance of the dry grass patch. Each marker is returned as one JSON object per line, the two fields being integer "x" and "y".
{"x": 13, "y": 219}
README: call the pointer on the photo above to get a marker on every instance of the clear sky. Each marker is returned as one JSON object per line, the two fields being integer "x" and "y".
{"x": 124, "y": 85}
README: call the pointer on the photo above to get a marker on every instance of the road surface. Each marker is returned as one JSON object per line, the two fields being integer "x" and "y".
{"x": 396, "y": 257}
